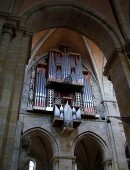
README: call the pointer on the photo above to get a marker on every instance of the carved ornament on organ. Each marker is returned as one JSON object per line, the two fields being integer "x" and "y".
{"x": 61, "y": 87}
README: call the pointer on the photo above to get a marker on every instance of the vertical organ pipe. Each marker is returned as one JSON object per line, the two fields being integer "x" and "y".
{"x": 40, "y": 92}
{"x": 87, "y": 96}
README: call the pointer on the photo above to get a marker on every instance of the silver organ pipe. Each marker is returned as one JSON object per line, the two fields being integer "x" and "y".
{"x": 36, "y": 94}
{"x": 73, "y": 75}
{"x": 40, "y": 89}
{"x": 65, "y": 65}
{"x": 62, "y": 67}
{"x": 72, "y": 60}
{"x": 58, "y": 69}
{"x": 88, "y": 97}
{"x": 68, "y": 64}
{"x": 72, "y": 66}
{"x": 79, "y": 70}
{"x": 36, "y": 91}
{"x": 52, "y": 66}
{"x": 58, "y": 58}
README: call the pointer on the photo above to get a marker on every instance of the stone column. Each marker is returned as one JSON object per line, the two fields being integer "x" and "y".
{"x": 112, "y": 148}
{"x": 120, "y": 19}
{"x": 115, "y": 131}
{"x": 107, "y": 164}
{"x": 74, "y": 165}
{"x": 56, "y": 163}
{"x": 117, "y": 69}
{"x": 8, "y": 33}
{"x": 123, "y": 25}
{"x": 64, "y": 163}
{"x": 10, "y": 93}
{"x": 16, "y": 150}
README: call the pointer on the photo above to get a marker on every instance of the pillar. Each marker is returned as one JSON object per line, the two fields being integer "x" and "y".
{"x": 116, "y": 136}
{"x": 56, "y": 163}
{"x": 8, "y": 33}
{"x": 74, "y": 165}
{"x": 107, "y": 164}
{"x": 10, "y": 93}
{"x": 120, "y": 19}
{"x": 16, "y": 149}
{"x": 112, "y": 148}
{"x": 64, "y": 163}
{"x": 117, "y": 69}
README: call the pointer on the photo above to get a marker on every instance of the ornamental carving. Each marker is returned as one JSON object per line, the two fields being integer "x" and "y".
{"x": 10, "y": 29}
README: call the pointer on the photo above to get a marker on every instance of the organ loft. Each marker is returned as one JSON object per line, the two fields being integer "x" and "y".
{"x": 60, "y": 85}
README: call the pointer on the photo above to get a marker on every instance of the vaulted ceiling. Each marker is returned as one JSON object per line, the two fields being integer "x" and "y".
{"x": 18, "y": 7}
{"x": 51, "y": 39}
{"x": 45, "y": 39}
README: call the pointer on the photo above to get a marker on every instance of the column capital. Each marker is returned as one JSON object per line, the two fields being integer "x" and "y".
{"x": 105, "y": 103}
{"x": 127, "y": 48}
{"x": 25, "y": 31}
{"x": 112, "y": 59}
{"x": 10, "y": 29}
{"x": 26, "y": 143}
{"x": 73, "y": 158}
{"x": 107, "y": 162}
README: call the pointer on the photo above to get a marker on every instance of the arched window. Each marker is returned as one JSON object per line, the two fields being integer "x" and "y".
{"x": 31, "y": 165}
{"x": 127, "y": 156}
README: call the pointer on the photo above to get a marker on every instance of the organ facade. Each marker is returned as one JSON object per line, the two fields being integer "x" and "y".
{"x": 61, "y": 86}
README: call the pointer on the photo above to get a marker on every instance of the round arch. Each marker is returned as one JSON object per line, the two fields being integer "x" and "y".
{"x": 57, "y": 14}
{"x": 103, "y": 145}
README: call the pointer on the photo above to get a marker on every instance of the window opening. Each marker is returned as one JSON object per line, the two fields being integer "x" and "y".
{"x": 31, "y": 165}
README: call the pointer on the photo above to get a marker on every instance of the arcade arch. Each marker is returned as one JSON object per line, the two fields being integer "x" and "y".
{"x": 127, "y": 155}
{"x": 83, "y": 20}
{"x": 42, "y": 149}
{"x": 87, "y": 22}
{"x": 91, "y": 152}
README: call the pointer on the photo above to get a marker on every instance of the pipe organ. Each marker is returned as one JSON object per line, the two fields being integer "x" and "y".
{"x": 61, "y": 87}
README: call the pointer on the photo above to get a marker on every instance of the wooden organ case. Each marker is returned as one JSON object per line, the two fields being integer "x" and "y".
{"x": 61, "y": 87}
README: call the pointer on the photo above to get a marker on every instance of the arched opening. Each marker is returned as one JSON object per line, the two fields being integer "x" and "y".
{"x": 32, "y": 165}
{"x": 81, "y": 21}
{"x": 89, "y": 153}
{"x": 81, "y": 24}
{"x": 39, "y": 153}
{"x": 127, "y": 156}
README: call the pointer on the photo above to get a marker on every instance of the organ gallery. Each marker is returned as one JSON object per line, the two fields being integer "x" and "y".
{"x": 61, "y": 85}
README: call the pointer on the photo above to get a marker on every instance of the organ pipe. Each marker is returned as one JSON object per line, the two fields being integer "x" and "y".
{"x": 62, "y": 67}
{"x": 40, "y": 89}
{"x": 88, "y": 97}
